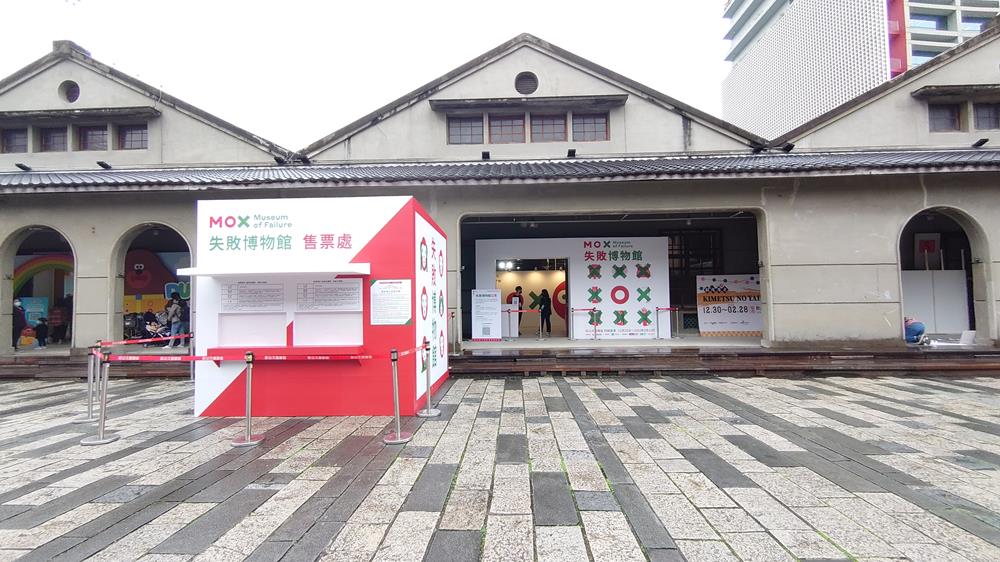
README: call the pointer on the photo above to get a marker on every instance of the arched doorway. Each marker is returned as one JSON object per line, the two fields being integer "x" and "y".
{"x": 43, "y": 284}
{"x": 148, "y": 258}
{"x": 942, "y": 274}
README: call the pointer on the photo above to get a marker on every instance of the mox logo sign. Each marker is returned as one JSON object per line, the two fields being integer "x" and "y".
{"x": 229, "y": 222}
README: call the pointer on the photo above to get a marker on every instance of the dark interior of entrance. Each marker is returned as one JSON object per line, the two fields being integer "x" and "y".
{"x": 43, "y": 282}
{"x": 932, "y": 241}
{"x": 697, "y": 244}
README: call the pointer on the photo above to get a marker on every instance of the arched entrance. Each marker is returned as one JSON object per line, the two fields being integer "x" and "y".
{"x": 43, "y": 283}
{"x": 943, "y": 274}
{"x": 148, "y": 257}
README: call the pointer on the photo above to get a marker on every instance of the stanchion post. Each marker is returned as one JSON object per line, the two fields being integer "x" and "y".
{"x": 399, "y": 436}
{"x": 248, "y": 439}
{"x": 429, "y": 411}
{"x": 92, "y": 373}
{"x": 101, "y": 438}
{"x": 191, "y": 351}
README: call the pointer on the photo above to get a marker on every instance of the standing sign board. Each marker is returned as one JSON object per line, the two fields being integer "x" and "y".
{"x": 324, "y": 283}
{"x": 729, "y": 305}
{"x": 486, "y": 315}
{"x": 616, "y": 286}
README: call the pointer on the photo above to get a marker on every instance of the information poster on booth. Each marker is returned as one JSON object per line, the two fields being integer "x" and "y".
{"x": 616, "y": 286}
{"x": 432, "y": 309}
{"x": 729, "y": 305}
{"x": 486, "y": 315}
{"x": 391, "y": 302}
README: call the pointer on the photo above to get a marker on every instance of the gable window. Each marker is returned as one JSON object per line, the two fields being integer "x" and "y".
{"x": 14, "y": 140}
{"x": 590, "y": 127}
{"x": 92, "y": 138}
{"x": 133, "y": 137}
{"x": 465, "y": 130}
{"x": 52, "y": 139}
{"x": 506, "y": 129}
{"x": 548, "y": 128}
{"x": 987, "y": 115}
{"x": 945, "y": 117}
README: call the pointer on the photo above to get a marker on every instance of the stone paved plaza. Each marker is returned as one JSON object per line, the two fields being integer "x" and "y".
{"x": 518, "y": 469}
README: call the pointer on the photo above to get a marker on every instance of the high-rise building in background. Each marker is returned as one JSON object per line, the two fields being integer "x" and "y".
{"x": 793, "y": 61}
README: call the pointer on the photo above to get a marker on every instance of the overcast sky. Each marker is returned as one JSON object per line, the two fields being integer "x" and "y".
{"x": 294, "y": 71}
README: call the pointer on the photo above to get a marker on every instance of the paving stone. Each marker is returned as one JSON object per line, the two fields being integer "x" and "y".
{"x": 466, "y": 510}
{"x": 293, "y": 528}
{"x": 560, "y": 544}
{"x": 807, "y": 545}
{"x": 680, "y": 517}
{"x": 766, "y": 510}
{"x": 701, "y": 491}
{"x": 512, "y": 449}
{"x": 455, "y": 546}
{"x": 885, "y": 409}
{"x": 235, "y": 481}
{"x": 720, "y": 472}
{"x": 48, "y": 551}
{"x": 511, "y": 490}
{"x": 408, "y": 537}
{"x": 665, "y": 555}
{"x": 430, "y": 491}
{"x": 596, "y": 501}
{"x": 609, "y": 537}
{"x": 645, "y": 522}
{"x": 344, "y": 452}
{"x": 381, "y": 505}
{"x": 756, "y": 546}
{"x": 314, "y": 541}
{"x": 355, "y": 541}
{"x": 509, "y": 538}
{"x": 706, "y": 551}
{"x": 731, "y": 520}
{"x": 269, "y": 551}
{"x": 552, "y": 501}
{"x": 345, "y": 504}
{"x": 65, "y": 503}
{"x": 650, "y": 414}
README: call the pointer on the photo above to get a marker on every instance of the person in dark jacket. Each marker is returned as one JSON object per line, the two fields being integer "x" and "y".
{"x": 42, "y": 333}
{"x": 20, "y": 321}
{"x": 545, "y": 310}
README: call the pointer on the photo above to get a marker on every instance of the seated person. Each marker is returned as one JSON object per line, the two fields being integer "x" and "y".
{"x": 914, "y": 331}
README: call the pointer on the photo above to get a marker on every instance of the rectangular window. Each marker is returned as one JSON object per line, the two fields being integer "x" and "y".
{"x": 945, "y": 117}
{"x": 92, "y": 138}
{"x": 987, "y": 115}
{"x": 506, "y": 129}
{"x": 918, "y": 57}
{"x": 974, "y": 23}
{"x": 590, "y": 127}
{"x": 52, "y": 139}
{"x": 548, "y": 128}
{"x": 132, "y": 137}
{"x": 14, "y": 140}
{"x": 465, "y": 130}
{"x": 928, "y": 21}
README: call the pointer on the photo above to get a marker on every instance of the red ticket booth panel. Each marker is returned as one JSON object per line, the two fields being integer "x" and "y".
{"x": 320, "y": 290}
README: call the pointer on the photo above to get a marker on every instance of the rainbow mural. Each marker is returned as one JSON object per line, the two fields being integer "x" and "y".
{"x": 27, "y": 270}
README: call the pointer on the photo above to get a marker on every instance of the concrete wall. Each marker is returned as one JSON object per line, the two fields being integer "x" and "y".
{"x": 418, "y": 132}
{"x": 829, "y": 247}
{"x": 175, "y": 138}
{"x": 898, "y": 120}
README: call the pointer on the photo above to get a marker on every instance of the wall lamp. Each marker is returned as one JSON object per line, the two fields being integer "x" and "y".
{"x": 104, "y": 164}
{"x": 756, "y": 148}
{"x": 787, "y": 147}
{"x": 23, "y": 167}
{"x": 486, "y": 155}
{"x": 571, "y": 153}
{"x": 302, "y": 158}
{"x": 279, "y": 160}
{"x": 980, "y": 143}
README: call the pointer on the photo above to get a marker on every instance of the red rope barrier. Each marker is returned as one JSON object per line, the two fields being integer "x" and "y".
{"x": 240, "y": 356}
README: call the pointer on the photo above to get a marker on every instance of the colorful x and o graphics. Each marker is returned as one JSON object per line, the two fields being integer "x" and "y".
{"x": 619, "y": 294}
{"x": 619, "y": 271}
{"x": 594, "y": 271}
{"x": 643, "y": 295}
{"x": 620, "y": 317}
{"x": 644, "y": 318}
{"x": 642, "y": 271}
{"x": 595, "y": 318}
{"x": 595, "y": 295}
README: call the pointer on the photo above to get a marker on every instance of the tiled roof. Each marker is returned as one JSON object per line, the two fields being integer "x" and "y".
{"x": 767, "y": 164}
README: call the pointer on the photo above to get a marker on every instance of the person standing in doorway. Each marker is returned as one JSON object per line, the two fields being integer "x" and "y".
{"x": 545, "y": 310}
{"x": 520, "y": 306}
{"x": 174, "y": 311}
{"x": 20, "y": 321}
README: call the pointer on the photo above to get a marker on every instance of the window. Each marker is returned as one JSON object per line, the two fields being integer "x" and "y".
{"x": 928, "y": 21}
{"x": 548, "y": 128}
{"x": 987, "y": 115}
{"x": 14, "y": 140}
{"x": 692, "y": 253}
{"x": 132, "y": 137}
{"x": 465, "y": 130}
{"x": 52, "y": 139}
{"x": 92, "y": 138}
{"x": 920, "y": 57}
{"x": 526, "y": 83}
{"x": 945, "y": 117}
{"x": 506, "y": 129}
{"x": 973, "y": 23}
{"x": 590, "y": 127}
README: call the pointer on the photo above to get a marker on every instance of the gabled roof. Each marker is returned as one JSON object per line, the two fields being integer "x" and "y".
{"x": 548, "y": 172}
{"x": 70, "y": 51}
{"x": 523, "y": 39}
{"x": 986, "y": 36}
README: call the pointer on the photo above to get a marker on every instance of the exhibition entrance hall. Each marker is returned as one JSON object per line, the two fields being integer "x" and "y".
{"x": 606, "y": 281}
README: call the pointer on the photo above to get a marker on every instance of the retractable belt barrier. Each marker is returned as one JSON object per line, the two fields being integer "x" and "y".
{"x": 99, "y": 368}
{"x": 145, "y": 340}
{"x": 587, "y": 310}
